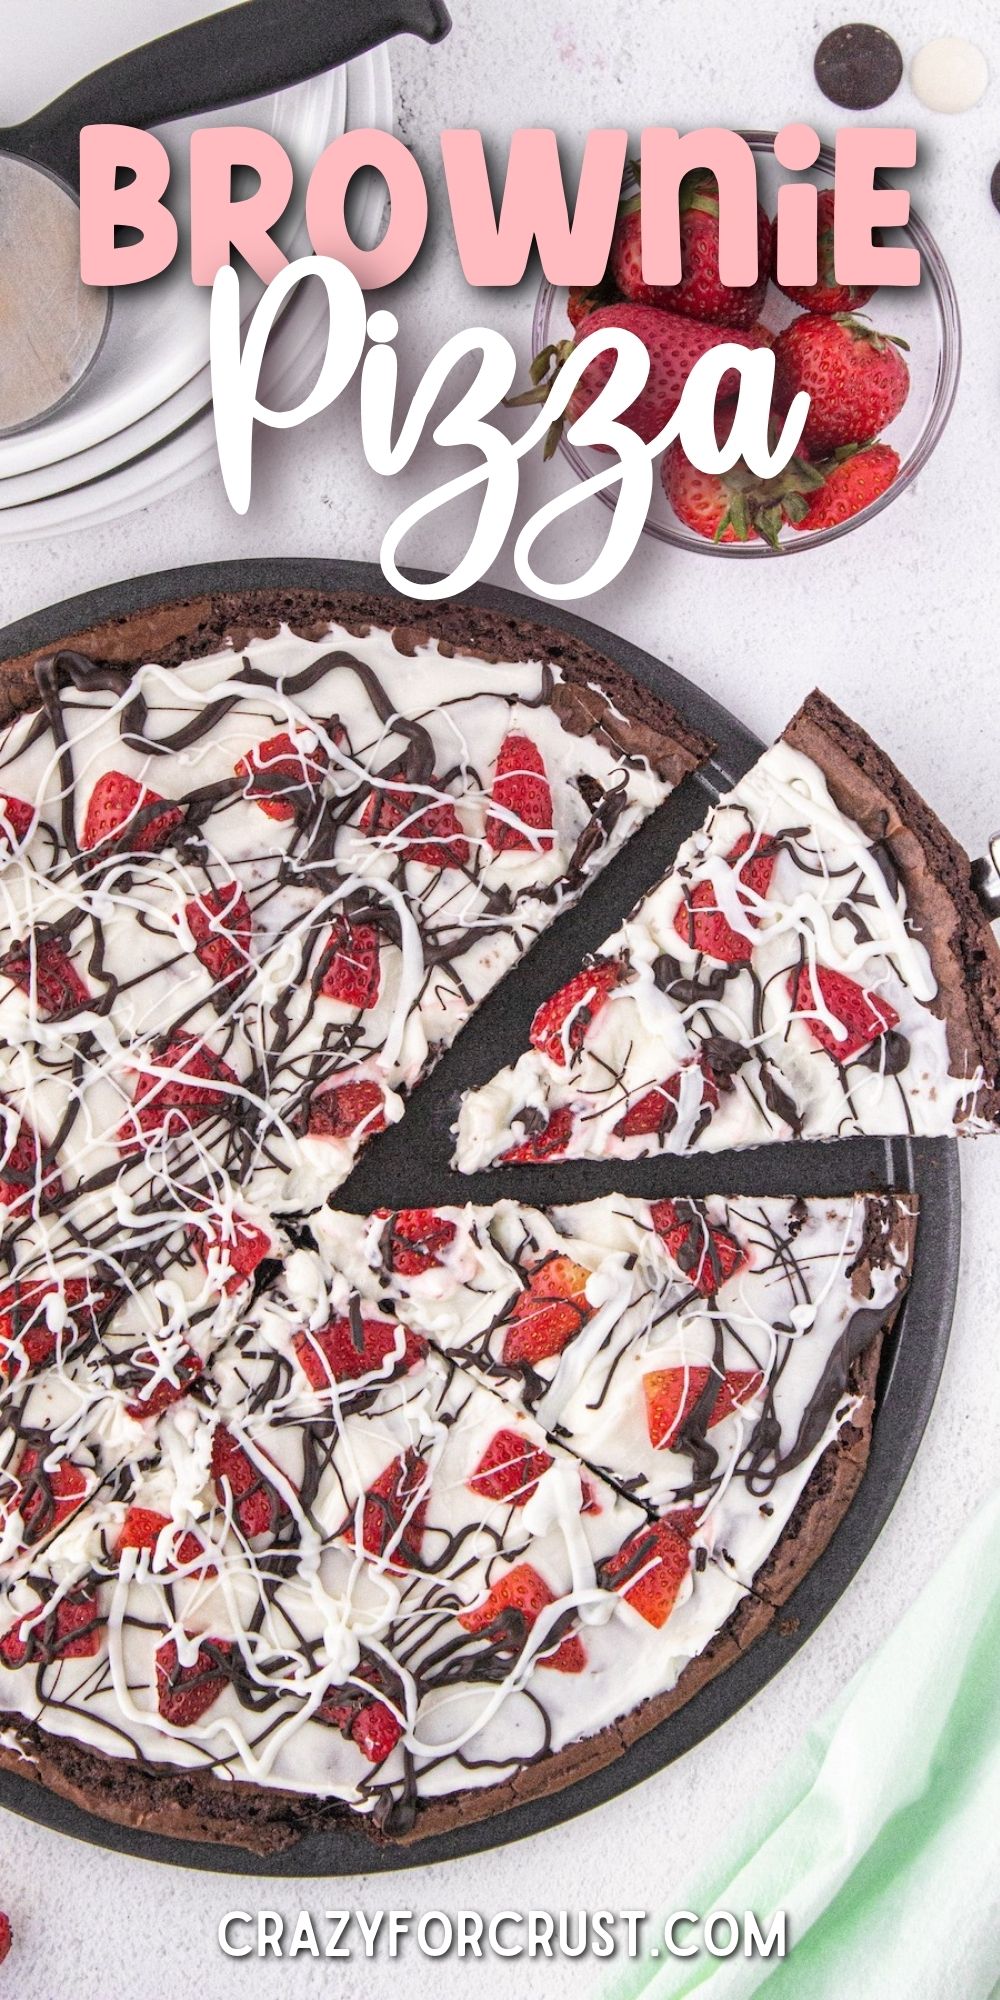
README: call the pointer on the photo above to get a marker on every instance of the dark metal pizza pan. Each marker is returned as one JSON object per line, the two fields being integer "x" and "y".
{"x": 409, "y": 1165}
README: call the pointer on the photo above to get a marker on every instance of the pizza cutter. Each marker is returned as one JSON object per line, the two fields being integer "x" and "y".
{"x": 52, "y": 326}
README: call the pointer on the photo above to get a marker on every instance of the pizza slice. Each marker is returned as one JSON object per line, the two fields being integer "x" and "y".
{"x": 701, "y": 1355}
{"x": 814, "y": 965}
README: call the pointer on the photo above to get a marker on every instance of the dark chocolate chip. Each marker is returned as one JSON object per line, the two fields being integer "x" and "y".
{"x": 889, "y": 1053}
{"x": 858, "y": 66}
{"x": 995, "y": 185}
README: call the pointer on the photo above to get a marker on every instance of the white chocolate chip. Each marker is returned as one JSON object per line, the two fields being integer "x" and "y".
{"x": 949, "y": 74}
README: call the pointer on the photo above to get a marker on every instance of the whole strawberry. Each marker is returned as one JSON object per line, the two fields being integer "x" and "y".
{"x": 855, "y": 376}
{"x": 826, "y": 295}
{"x": 673, "y": 343}
{"x": 701, "y": 292}
{"x": 580, "y": 302}
{"x": 737, "y": 506}
{"x": 851, "y": 483}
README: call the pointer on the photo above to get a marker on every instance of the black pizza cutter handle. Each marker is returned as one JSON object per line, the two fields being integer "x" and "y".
{"x": 245, "y": 51}
{"x": 986, "y": 878}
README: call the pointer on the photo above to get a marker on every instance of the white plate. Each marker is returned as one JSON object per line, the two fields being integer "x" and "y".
{"x": 294, "y": 354}
{"x": 122, "y": 446}
{"x": 158, "y": 335}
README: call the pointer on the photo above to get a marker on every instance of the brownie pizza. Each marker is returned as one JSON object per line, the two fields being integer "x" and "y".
{"x": 388, "y": 1520}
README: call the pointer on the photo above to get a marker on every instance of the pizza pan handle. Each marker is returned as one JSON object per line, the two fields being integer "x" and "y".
{"x": 242, "y": 52}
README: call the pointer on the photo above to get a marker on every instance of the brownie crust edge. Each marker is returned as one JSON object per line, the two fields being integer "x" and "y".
{"x": 936, "y": 874}
{"x": 597, "y": 692}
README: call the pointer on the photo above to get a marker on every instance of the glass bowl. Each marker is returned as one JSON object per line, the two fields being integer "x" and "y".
{"x": 925, "y": 315}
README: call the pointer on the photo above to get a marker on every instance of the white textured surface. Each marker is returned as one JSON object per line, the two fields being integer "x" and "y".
{"x": 898, "y": 622}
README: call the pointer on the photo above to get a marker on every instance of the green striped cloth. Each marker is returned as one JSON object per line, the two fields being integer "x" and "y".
{"x": 881, "y": 1837}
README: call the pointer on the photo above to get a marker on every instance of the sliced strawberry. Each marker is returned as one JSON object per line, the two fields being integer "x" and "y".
{"x": 649, "y": 1570}
{"x": 120, "y": 806}
{"x": 706, "y": 1253}
{"x": 167, "y": 1106}
{"x": 546, "y": 1144}
{"x": 700, "y": 922}
{"x": 222, "y": 928}
{"x": 16, "y": 818}
{"x": 71, "y": 1630}
{"x": 47, "y": 1499}
{"x": 413, "y": 1239}
{"x": 49, "y": 974}
{"x": 548, "y": 1313}
{"x": 590, "y": 1503}
{"x": 520, "y": 787}
{"x": 144, "y": 1369}
{"x": 684, "y": 1521}
{"x": 24, "y": 1178}
{"x": 510, "y": 1611}
{"x": 395, "y": 1510}
{"x": 510, "y": 1469}
{"x": 561, "y": 1023}
{"x": 373, "y": 1726}
{"x": 350, "y": 967}
{"x": 6, "y": 1935}
{"x": 653, "y": 1113}
{"x": 142, "y": 1528}
{"x": 865, "y": 1015}
{"x": 360, "y": 1716}
{"x": 185, "y": 1694}
{"x": 339, "y": 1709}
{"x": 376, "y": 1731}
{"x": 656, "y": 1111}
{"x": 347, "y": 1349}
{"x": 758, "y": 871}
{"x": 432, "y": 833}
{"x": 258, "y": 1507}
{"x": 341, "y": 1108}
{"x": 234, "y": 1241}
{"x": 26, "y": 1338}
{"x": 672, "y": 1394}
{"x": 284, "y": 773}
{"x": 739, "y": 1385}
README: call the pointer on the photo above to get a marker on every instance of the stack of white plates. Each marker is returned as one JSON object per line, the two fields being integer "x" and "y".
{"x": 142, "y": 421}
